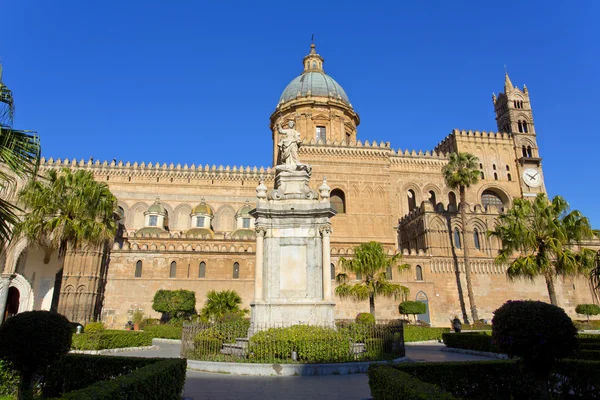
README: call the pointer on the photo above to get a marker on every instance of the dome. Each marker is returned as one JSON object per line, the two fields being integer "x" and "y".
{"x": 245, "y": 210}
{"x": 243, "y": 234}
{"x": 199, "y": 232}
{"x": 156, "y": 208}
{"x": 314, "y": 83}
{"x": 202, "y": 208}
{"x": 152, "y": 230}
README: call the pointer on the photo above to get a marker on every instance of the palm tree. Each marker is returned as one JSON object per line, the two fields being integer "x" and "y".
{"x": 373, "y": 266}
{"x": 67, "y": 210}
{"x": 20, "y": 154}
{"x": 221, "y": 303}
{"x": 460, "y": 173}
{"x": 546, "y": 237}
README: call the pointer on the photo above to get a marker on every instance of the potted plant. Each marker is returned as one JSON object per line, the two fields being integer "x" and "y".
{"x": 138, "y": 317}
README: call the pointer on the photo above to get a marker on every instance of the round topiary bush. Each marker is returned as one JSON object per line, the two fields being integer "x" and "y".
{"x": 94, "y": 327}
{"x": 587, "y": 310}
{"x": 33, "y": 340}
{"x": 412, "y": 308}
{"x": 365, "y": 319}
{"x": 539, "y": 333}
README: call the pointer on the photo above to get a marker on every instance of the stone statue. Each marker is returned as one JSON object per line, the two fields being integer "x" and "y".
{"x": 289, "y": 141}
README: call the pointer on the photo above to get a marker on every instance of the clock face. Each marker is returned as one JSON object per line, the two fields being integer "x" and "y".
{"x": 532, "y": 177}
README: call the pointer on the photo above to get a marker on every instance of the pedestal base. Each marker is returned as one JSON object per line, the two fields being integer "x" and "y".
{"x": 281, "y": 314}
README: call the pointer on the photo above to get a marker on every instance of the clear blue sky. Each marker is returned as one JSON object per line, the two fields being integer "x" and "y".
{"x": 195, "y": 82}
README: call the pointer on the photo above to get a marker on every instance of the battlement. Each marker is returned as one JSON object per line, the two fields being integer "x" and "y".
{"x": 447, "y": 143}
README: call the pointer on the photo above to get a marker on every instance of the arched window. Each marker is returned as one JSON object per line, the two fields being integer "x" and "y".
{"x": 153, "y": 220}
{"x": 432, "y": 197}
{"x": 495, "y": 176}
{"x": 419, "y": 273}
{"x": 480, "y": 166}
{"x": 515, "y": 103}
{"x": 314, "y": 66}
{"x": 173, "y": 270}
{"x": 482, "y": 175}
{"x": 412, "y": 200}
{"x": 121, "y": 215}
{"x": 529, "y": 152}
{"x": 202, "y": 270}
{"x": 452, "y": 199}
{"x": 524, "y": 149}
{"x": 332, "y": 269}
{"x": 199, "y": 222}
{"x": 476, "y": 239}
{"x": 507, "y": 168}
{"x": 525, "y": 126}
{"x": 520, "y": 126}
{"x": 337, "y": 198}
{"x": 494, "y": 167}
{"x": 509, "y": 177}
{"x": 138, "y": 269}
{"x": 489, "y": 197}
{"x": 236, "y": 270}
{"x": 456, "y": 238}
{"x": 388, "y": 273}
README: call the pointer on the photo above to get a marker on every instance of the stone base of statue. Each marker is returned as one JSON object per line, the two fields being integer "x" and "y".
{"x": 293, "y": 275}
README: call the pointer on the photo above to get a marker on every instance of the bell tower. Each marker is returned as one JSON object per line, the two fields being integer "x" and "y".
{"x": 514, "y": 116}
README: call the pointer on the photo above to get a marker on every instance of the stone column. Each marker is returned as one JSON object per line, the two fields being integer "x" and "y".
{"x": 258, "y": 269}
{"x": 5, "y": 279}
{"x": 326, "y": 233}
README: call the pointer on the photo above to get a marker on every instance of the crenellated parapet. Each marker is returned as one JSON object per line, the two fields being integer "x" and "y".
{"x": 448, "y": 144}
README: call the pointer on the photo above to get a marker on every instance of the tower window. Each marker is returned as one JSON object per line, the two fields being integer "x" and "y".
{"x": 520, "y": 126}
{"x": 138, "y": 269}
{"x": 456, "y": 238}
{"x": 529, "y": 152}
{"x": 173, "y": 270}
{"x": 246, "y": 223}
{"x": 199, "y": 222}
{"x": 153, "y": 220}
{"x": 495, "y": 176}
{"x": 202, "y": 270}
{"x": 525, "y": 126}
{"x": 494, "y": 167}
{"x": 419, "y": 270}
{"x": 507, "y": 168}
{"x": 338, "y": 201}
{"x": 476, "y": 239}
{"x": 524, "y": 149}
{"x": 412, "y": 201}
{"x": 321, "y": 134}
{"x": 515, "y": 103}
{"x": 509, "y": 177}
{"x": 236, "y": 270}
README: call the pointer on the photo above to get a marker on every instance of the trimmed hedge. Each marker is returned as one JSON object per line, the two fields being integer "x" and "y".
{"x": 111, "y": 340}
{"x": 388, "y": 383}
{"x": 418, "y": 333}
{"x": 94, "y": 327}
{"x": 164, "y": 331}
{"x": 470, "y": 341}
{"x": 163, "y": 380}
{"x": 580, "y": 377}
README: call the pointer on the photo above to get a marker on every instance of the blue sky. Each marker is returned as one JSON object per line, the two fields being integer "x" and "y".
{"x": 195, "y": 82}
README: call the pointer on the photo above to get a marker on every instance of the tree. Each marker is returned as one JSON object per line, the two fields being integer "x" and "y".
{"x": 19, "y": 154}
{"x": 543, "y": 237}
{"x": 587, "y": 310}
{"x": 412, "y": 308}
{"x": 174, "y": 303}
{"x": 372, "y": 264}
{"x": 460, "y": 173}
{"x": 31, "y": 341}
{"x": 219, "y": 304}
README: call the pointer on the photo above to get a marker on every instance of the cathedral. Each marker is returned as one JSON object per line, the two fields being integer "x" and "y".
{"x": 190, "y": 226}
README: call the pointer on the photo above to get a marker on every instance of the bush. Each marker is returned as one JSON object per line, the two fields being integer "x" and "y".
{"x": 159, "y": 380}
{"x": 580, "y": 378}
{"x": 365, "y": 319}
{"x": 206, "y": 346}
{"x": 538, "y": 332}
{"x": 163, "y": 331}
{"x": 478, "y": 326}
{"x": 9, "y": 380}
{"x": 587, "y": 310}
{"x": 149, "y": 322}
{"x": 419, "y": 334}
{"x": 174, "y": 303}
{"x": 388, "y": 383}
{"x": 111, "y": 340}
{"x": 31, "y": 341}
{"x": 412, "y": 308}
{"x": 469, "y": 341}
{"x": 94, "y": 327}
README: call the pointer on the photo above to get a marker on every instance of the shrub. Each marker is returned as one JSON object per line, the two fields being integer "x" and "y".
{"x": 149, "y": 322}
{"x": 412, "y": 308}
{"x": 174, "y": 303}
{"x": 111, "y": 340}
{"x": 137, "y": 317}
{"x": 31, "y": 341}
{"x": 419, "y": 334}
{"x": 374, "y": 347}
{"x": 580, "y": 378}
{"x": 365, "y": 319}
{"x": 9, "y": 380}
{"x": 469, "y": 341}
{"x": 388, "y": 383}
{"x": 479, "y": 326}
{"x": 163, "y": 331}
{"x": 206, "y": 346}
{"x": 587, "y": 310}
{"x": 538, "y": 332}
{"x": 219, "y": 304}
{"x": 94, "y": 327}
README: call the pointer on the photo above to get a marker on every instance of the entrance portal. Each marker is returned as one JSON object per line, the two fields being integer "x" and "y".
{"x": 12, "y": 303}
{"x": 422, "y": 297}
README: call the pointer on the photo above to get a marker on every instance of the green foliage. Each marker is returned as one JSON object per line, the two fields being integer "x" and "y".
{"x": 365, "y": 319}
{"x": 580, "y": 378}
{"x": 587, "y": 309}
{"x": 227, "y": 331}
{"x": 159, "y": 380}
{"x": 371, "y": 262}
{"x": 175, "y": 303}
{"x": 480, "y": 326}
{"x": 9, "y": 380}
{"x": 420, "y": 334}
{"x": 205, "y": 345}
{"x": 163, "y": 331}
{"x": 412, "y": 308}
{"x": 146, "y": 322}
{"x": 111, "y": 340}
{"x": 461, "y": 170}
{"x": 470, "y": 341}
{"x": 542, "y": 233}
{"x": 94, "y": 327}
{"x": 388, "y": 383}
{"x": 138, "y": 317}
{"x": 538, "y": 332}
{"x": 220, "y": 304}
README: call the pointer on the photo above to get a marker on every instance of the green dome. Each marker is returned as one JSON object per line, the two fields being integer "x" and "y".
{"x": 149, "y": 230}
{"x": 243, "y": 234}
{"x": 316, "y": 83}
{"x": 156, "y": 208}
{"x": 245, "y": 210}
{"x": 202, "y": 208}
{"x": 199, "y": 232}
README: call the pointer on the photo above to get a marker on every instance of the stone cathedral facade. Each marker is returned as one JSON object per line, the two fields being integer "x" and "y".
{"x": 189, "y": 226}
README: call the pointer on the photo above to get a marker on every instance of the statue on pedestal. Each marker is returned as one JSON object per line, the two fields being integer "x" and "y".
{"x": 289, "y": 142}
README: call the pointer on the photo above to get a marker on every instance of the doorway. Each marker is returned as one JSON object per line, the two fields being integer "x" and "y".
{"x": 422, "y": 297}
{"x": 12, "y": 303}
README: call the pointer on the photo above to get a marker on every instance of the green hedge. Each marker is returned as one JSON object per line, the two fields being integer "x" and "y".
{"x": 388, "y": 383}
{"x": 469, "y": 341}
{"x": 418, "y": 333}
{"x": 110, "y": 340}
{"x": 9, "y": 380}
{"x": 163, "y": 380}
{"x": 580, "y": 377}
{"x": 164, "y": 331}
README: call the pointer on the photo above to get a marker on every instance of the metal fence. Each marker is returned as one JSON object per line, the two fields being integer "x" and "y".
{"x": 346, "y": 342}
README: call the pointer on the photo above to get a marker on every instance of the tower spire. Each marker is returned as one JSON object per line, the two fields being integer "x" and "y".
{"x": 313, "y": 62}
{"x": 507, "y": 83}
